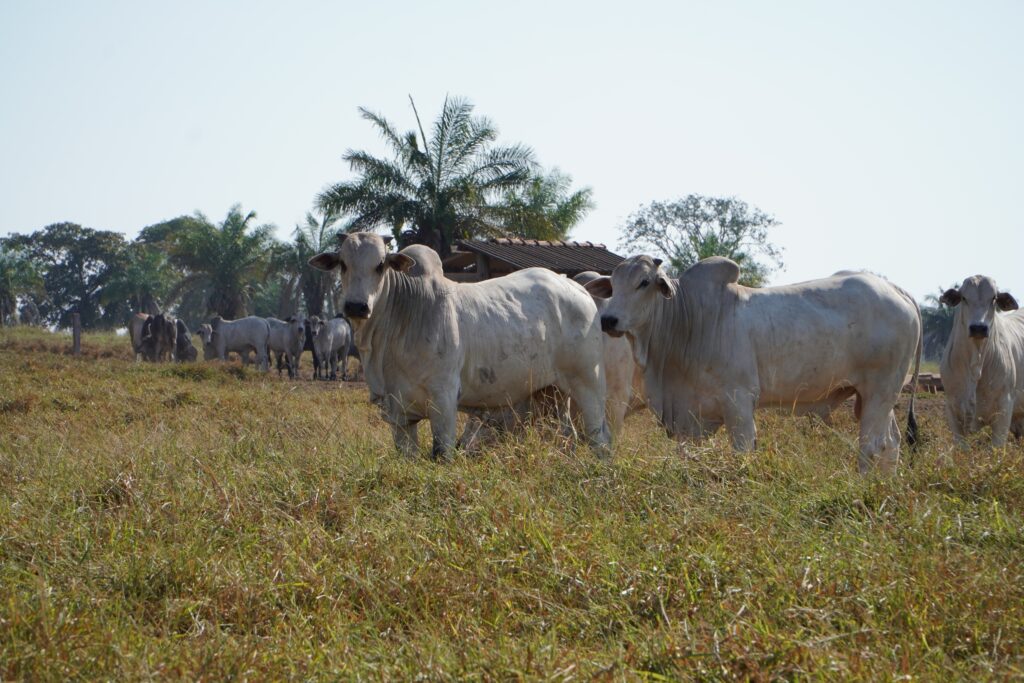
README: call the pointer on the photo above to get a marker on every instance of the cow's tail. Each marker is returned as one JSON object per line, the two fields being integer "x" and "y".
{"x": 913, "y": 436}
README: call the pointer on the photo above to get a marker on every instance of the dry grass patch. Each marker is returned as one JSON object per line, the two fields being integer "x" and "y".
{"x": 200, "y": 521}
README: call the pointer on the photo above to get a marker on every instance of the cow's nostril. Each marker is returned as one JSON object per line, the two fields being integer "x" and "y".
{"x": 609, "y": 323}
{"x": 978, "y": 331}
{"x": 356, "y": 309}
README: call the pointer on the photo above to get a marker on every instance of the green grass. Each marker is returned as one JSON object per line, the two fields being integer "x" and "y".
{"x": 198, "y": 521}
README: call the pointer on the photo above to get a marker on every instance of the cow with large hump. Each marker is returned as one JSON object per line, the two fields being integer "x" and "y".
{"x": 983, "y": 365}
{"x": 221, "y": 337}
{"x": 430, "y": 347}
{"x": 713, "y": 350}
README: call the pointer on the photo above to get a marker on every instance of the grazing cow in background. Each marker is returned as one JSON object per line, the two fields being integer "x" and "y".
{"x": 183, "y": 349}
{"x": 286, "y": 337}
{"x": 332, "y": 340}
{"x": 240, "y": 336}
{"x": 625, "y": 379}
{"x": 983, "y": 365}
{"x": 135, "y": 327}
{"x": 713, "y": 350}
{"x": 159, "y": 337}
{"x": 430, "y": 346}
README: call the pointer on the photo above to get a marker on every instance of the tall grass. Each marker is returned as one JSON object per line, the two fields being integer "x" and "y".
{"x": 204, "y": 522}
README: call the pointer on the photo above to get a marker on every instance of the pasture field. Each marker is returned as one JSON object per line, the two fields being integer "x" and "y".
{"x": 205, "y": 522}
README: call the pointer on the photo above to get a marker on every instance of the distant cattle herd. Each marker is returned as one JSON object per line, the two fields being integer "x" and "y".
{"x": 158, "y": 338}
{"x": 700, "y": 350}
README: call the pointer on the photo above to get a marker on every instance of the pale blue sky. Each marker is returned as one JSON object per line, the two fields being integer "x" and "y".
{"x": 884, "y": 135}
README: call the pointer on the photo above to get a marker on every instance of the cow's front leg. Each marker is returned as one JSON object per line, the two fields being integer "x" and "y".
{"x": 739, "y": 420}
{"x": 1001, "y": 422}
{"x": 443, "y": 410}
{"x": 406, "y": 436}
{"x": 956, "y": 423}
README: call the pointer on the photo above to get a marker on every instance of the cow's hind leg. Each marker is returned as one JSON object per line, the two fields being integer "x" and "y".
{"x": 588, "y": 396}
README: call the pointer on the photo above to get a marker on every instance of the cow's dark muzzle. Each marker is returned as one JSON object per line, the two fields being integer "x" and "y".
{"x": 610, "y": 324}
{"x": 978, "y": 331}
{"x": 356, "y": 310}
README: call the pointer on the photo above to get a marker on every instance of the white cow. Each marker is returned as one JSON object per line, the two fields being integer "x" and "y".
{"x": 983, "y": 365}
{"x": 241, "y": 336}
{"x": 332, "y": 339}
{"x": 430, "y": 346}
{"x": 135, "y": 327}
{"x": 286, "y": 337}
{"x": 624, "y": 378}
{"x": 713, "y": 350}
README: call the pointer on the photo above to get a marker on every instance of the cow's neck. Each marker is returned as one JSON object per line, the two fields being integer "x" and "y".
{"x": 403, "y": 325}
{"x": 682, "y": 336}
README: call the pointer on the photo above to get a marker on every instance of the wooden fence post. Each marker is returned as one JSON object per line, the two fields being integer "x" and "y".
{"x": 76, "y": 334}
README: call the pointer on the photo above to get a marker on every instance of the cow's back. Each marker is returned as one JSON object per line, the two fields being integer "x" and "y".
{"x": 522, "y": 332}
{"x": 810, "y": 338}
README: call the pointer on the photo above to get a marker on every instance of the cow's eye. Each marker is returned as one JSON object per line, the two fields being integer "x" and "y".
{"x": 643, "y": 283}
{"x": 380, "y": 267}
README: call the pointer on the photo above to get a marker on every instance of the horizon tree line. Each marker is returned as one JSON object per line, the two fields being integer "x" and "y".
{"x": 455, "y": 183}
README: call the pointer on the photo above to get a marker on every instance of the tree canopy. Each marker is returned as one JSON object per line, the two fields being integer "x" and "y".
{"x": 20, "y": 282}
{"x": 545, "y": 208}
{"x": 224, "y": 264}
{"x": 695, "y": 227}
{"x": 76, "y": 264}
{"x": 455, "y": 184}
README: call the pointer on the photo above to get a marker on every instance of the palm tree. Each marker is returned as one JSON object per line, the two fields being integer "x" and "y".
{"x": 226, "y": 263}
{"x": 312, "y": 237}
{"x": 545, "y": 208}
{"x": 441, "y": 187}
{"x": 937, "y": 321}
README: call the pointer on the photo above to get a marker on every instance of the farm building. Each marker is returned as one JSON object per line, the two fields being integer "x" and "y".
{"x": 475, "y": 260}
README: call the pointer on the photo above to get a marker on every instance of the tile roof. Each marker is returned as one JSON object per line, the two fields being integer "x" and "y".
{"x": 569, "y": 258}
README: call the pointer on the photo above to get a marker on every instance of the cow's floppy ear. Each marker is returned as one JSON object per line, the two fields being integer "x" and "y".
{"x": 600, "y": 287}
{"x": 400, "y": 262}
{"x": 328, "y": 260}
{"x": 951, "y": 297}
{"x": 1006, "y": 302}
{"x": 665, "y": 287}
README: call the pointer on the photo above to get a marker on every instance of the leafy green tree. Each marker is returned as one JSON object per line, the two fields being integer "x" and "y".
{"x": 431, "y": 190}
{"x": 545, "y": 208}
{"x": 76, "y": 263}
{"x": 222, "y": 265}
{"x": 144, "y": 281}
{"x": 19, "y": 279}
{"x": 937, "y": 323}
{"x": 696, "y": 227}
